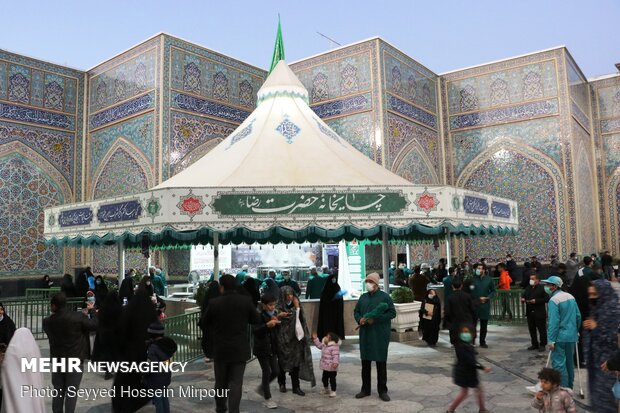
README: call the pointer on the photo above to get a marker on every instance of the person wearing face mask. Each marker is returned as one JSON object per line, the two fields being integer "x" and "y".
{"x": 373, "y": 312}
{"x": 430, "y": 318}
{"x": 600, "y": 343}
{"x": 564, "y": 322}
{"x": 535, "y": 299}
{"x": 459, "y": 310}
{"x": 392, "y": 272}
{"x": 315, "y": 285}
{"x": 7, "y": 327}
{"x": 287, "y": 281}
{"x": 101, "y": 289}
{"x": 482, "y": 292}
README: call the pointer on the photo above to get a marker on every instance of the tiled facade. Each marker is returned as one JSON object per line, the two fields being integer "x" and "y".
{"x": 531, "y": 128}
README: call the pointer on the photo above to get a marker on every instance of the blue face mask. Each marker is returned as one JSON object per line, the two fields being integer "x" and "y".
{"x": 466, "y": 337}
{"x": 272, "y": 312}
{"x": 616, "y": 390}
{"x": 548, "y": 290}
{"x": 478, "y": 272}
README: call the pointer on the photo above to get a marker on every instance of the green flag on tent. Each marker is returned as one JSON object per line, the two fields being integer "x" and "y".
{"x": 278, "y": 50}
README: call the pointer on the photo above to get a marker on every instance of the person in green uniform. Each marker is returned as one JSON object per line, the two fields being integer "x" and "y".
{"x": 315, "y": 285}
{"x": 373, "y": 312}
{"x": 392, "y": 272}
{"x": 157, "y": 282}
{"x": 242, "y": 274}
{"x": 288, "y": 281}
{"x": 482, "y": 292}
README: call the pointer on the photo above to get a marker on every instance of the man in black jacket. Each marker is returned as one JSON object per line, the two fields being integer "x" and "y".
{"x": 535, "y": 299}
{"x": 459, "y": 310}
{"x": 229, "y": 315}
{"x": 68, "y": 334}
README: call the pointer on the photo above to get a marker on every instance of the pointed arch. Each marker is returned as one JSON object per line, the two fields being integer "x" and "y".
{"x": 533, "y": 180}
{"x": 585, "y": 201}
{"x": 142, "y": 172}
{"x": 404, "y": 155}
{"x": 613, "y": 200}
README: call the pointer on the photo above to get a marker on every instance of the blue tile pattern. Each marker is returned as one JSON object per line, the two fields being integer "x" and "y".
{"x": 403, "y": 108}
{"x": 242, "y": 134}
{"x": 36, "y": 116}
{"x": 123, "y": 110}
{"x": 343, "y": 106}
{"x": 327, "y": 131}
{"x": 206, "y": 107}
{"x": 579, "y": 115}
{"x": 610, "y": 125}
{"x": 501, "y": 115}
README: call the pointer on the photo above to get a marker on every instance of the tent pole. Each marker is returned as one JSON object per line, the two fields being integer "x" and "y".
{"x": 385, "y": 258}
{"x": 408, "y": 251}
{"x": 216, "y": 260}
{"x": 448, "y": 249}
{"x": 121, "y": 261}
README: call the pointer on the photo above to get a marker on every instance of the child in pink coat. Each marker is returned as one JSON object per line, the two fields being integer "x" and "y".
{"x": 330, "y": 359}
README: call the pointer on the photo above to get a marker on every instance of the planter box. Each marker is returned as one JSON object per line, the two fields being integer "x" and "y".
{"x": 407, "y": 317}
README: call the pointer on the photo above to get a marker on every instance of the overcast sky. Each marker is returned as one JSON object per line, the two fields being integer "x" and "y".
{"x": 442, "y": 35}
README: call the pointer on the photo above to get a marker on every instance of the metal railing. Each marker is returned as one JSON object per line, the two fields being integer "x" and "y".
{"x": 184, "y": 330}
{"x": 29, "y": 313}
{"x": 41, "y": 293}
{"x": 508, "y": 299}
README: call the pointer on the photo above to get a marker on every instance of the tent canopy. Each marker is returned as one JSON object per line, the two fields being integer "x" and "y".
{"x": 282, "y": 176}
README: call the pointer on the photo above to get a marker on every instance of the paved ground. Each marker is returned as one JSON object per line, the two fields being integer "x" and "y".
{"x": 419, "y": 380}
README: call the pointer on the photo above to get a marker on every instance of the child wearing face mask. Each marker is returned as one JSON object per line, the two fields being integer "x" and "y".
{"x": 465, "y": 372}
{"x": 430, "y": 317}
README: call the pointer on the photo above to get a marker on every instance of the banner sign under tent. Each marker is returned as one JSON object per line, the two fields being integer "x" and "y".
{"x": 282, "y": 176}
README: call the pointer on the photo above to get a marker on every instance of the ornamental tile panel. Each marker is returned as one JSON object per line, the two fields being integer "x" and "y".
{"x": 36, "y": 116}
{"x": 401, "y": 132}
{"x": 207, "y": 107}
{"x": 609, "y": 101}
{"x": 610, "y": 125}
{"x": 403, "y": 108}
{"x": 121, "y": 175}
{"x": 611, "y": 151}
{"x": 355, "y": 129}
{"x": 508, "y": 114}
{"x": 123, "y": 110}
{"x": 343, "y": 106}
{"x": 579, "y": 115}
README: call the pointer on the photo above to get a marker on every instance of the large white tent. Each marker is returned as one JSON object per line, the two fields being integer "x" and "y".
{"x": 283, "y": 175}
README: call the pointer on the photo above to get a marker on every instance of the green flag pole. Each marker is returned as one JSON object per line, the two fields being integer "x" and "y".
{"x": 278, "y": 51}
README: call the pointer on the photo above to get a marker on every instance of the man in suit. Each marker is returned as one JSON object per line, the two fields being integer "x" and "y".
{"x": 68, "y": 334}
{"x": 535, "y": 299}
{"x": 229, "y": 316}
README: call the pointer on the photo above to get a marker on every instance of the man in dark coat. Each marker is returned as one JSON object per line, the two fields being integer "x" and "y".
{"x": 579, "y": 290}
{"x": 459, "y": 310}
{"x": 482, "y": 293}
{"x": 535, "y": 299}
{"x": 315, "y": 285}
{"x": 68, "y": 334}
{"x": 331, "y": 309}
{"x": 229, "y": 316}
{"x": 374, "y": 312}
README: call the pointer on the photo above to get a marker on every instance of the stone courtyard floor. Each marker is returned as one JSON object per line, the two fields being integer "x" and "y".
{"x": 419, "y": 380}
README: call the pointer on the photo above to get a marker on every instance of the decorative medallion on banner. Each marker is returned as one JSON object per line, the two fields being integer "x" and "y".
{"x": 309, "y": 203}
{"x": 121, "y": 211}
{"x": 426, "y": 201}
{"x": 456, "y": 203}
{"x": 152, "y": 207}
{"x": 475, "y": 205}
{"x": 500, "y": 209}
{"x": 191, "y": 205}
{"x": 288, "y": 129}
{"x": 51, "y": 221}
{"x": 74, "y": 217}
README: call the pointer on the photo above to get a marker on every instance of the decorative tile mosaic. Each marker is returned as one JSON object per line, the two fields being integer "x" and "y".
{"x": 178, "y": 263}
{"x": 408, "y": 80}
{"x": 578, "y": 87}
{"x": 25, "y": 192}
{"x": 327, "y": 131}
{"x": 105, "y": 260}
{"x": 343, "y": 106}
{"x": 122, "y": 174}
{"x": 401, "y": 132}
{"x": 191, "y": 132}
{"x": 610, "y": 125}
{"x": 414, "y": 168}
{"x": 579, "y": 115}
{"x": 585, "y": 196}
{"x": 611, "y": 152}
{"x": 138, "y": 131}
{"x": 3, "y": 79}
{"x": 506, "y": 114}
{"x": 355, "y": 129}
{"x": 57, "y": 147}
{"x": 609, "y": 101}
{"x": 542, "y": 134}
{"x": 206, "y": 107}
{"x": 36, "y": 116}
{"x": 123, "y": 110}
{"x": 336, "y": 78}
{"x": 512, "y": 175}
{"x": 403, "y": 108}
{"x": 530, "y": 81}
{"x": 132, "y": 77}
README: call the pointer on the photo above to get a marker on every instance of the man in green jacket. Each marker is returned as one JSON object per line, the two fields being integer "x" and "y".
{"x": 373, "y": 312}
{"x": 482, "y": 292}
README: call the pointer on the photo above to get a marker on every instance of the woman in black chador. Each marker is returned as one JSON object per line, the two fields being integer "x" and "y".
{"x": 331, "y": 318}
{"x": 135, "y": 321}
{"x": 213, "y": 291}
{"x": 106, "y": 346}
{"x": 430, "y": 317}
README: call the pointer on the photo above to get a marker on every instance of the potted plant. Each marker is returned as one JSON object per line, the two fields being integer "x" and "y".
{"x": 407, "y": 316}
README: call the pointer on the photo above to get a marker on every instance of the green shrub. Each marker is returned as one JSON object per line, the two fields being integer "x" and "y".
{"x": 402, "y": 295}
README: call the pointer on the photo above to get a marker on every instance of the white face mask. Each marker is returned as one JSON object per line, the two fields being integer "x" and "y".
{"x": 430, "y": 296}
{"x": 532, "y": 283}
{"x": 370, "y": 287}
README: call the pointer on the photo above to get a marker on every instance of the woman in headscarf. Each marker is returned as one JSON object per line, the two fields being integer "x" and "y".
{"x": 271, "y": 287}
{"x": 101, "y": 290}
{"x": 23, "y": 346}
{"x": 294, "y": 354}
{"x": 7, "y": 327}
{"x": 145, "y": 284}
{"x": 135, "y": 320}
{"x": 213, "y": 290}
{"x": 331, "y": 309}
{"x": 600, "y": 343}
{"x": 251, "y": 287}
{"x": 430, "y": 317}
{"x": 106, "y": 346}
{"x": 67, "y": 286}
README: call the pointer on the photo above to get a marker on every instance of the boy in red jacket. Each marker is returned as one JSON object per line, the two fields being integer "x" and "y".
{"x": 504, "y": 285}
